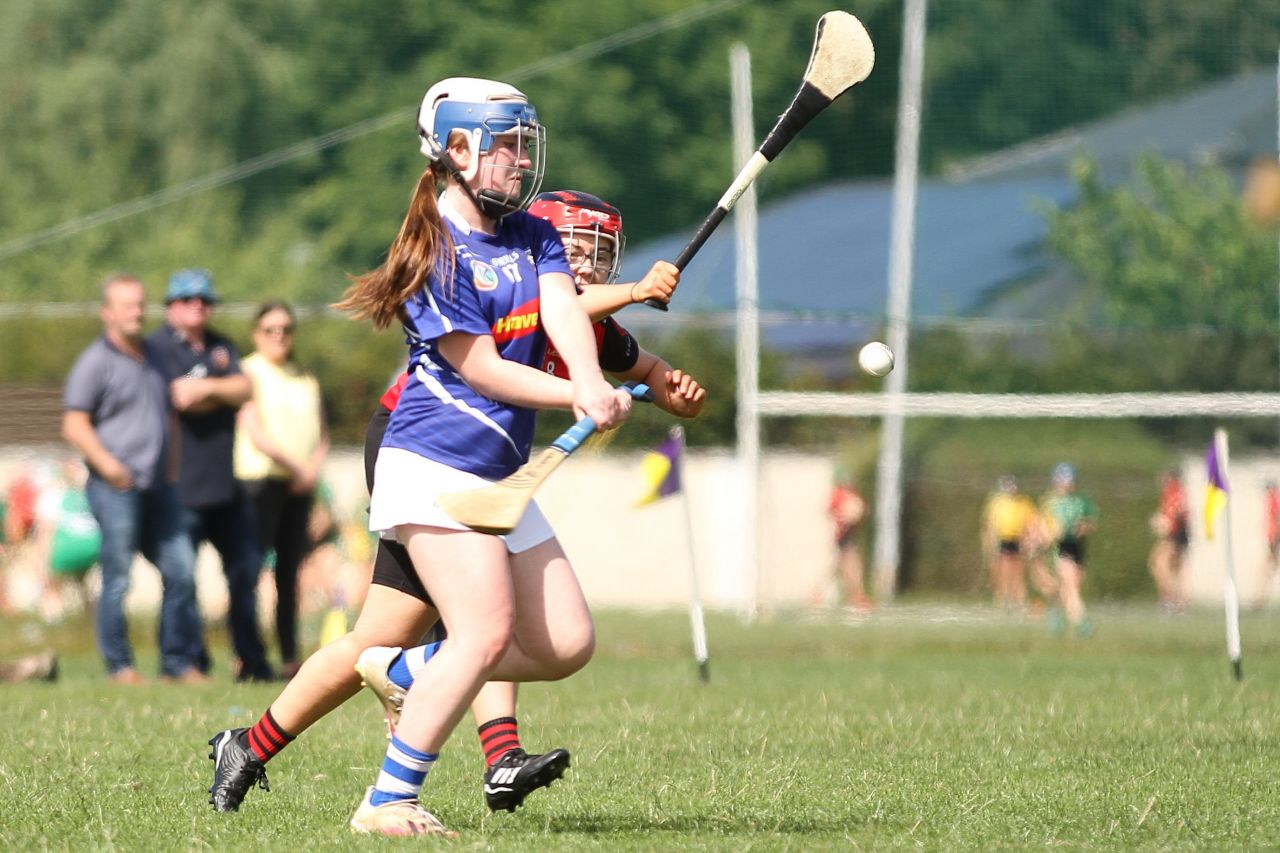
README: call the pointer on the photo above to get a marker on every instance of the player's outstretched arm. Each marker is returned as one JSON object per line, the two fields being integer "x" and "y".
{"x": 602, "y": 300}
{"x": 674, "y": 391}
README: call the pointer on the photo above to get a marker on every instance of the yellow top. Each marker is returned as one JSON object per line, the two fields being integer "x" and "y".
{"x": 288, "y": 402}
{"x": 1008, "y": 515}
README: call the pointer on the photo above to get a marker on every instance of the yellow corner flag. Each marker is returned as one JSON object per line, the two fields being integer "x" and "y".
{"x": 660, "y": 469}
{"x": 1215, "y": 498}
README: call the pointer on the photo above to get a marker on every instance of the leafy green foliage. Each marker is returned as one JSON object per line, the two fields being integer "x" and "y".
{"x": 1000, "y": 73}
{"x": 107, "y": 103}
{"x": 1183, "y": 283}
{"x": 1172, "y": 250}
{"x": 104, "y": 103}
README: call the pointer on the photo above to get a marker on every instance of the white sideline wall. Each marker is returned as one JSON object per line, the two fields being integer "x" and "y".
{"x": 624, "y": 556}
{"x": 1206, "y": 559}
{"x": 639, "y": 557}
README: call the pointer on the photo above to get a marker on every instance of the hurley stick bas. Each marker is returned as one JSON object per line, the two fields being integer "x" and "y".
{"x": 842, "y": 57}
{"x": 498, "y": 507}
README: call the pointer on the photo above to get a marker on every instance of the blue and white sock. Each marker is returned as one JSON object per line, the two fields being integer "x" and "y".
{"x": 405, "y": 669}
{"x": 403, "y": 772}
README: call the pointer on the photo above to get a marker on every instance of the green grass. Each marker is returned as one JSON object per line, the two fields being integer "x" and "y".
{"x": 920, "y": 726}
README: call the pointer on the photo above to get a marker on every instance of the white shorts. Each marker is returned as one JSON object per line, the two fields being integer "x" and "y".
{"x": 405, "y": 486}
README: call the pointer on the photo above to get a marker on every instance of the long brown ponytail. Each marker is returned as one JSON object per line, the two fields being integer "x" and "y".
{"x": 421, "y": 246}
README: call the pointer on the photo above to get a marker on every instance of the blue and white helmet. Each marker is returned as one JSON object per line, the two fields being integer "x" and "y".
{"x": 484, "y": 109}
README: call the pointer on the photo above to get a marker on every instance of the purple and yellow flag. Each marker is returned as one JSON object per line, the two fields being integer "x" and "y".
{"x": 1215, "y": 497}
{"x": 660, "y": 469}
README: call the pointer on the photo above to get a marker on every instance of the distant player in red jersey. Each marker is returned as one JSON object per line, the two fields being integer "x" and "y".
{"x": 1170, "y": 525}
{"x": 1271, "y": 528}
{"x": 847, "y": 508}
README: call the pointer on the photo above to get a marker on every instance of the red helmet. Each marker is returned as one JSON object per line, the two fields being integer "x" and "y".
{"x": 581, "y": 215}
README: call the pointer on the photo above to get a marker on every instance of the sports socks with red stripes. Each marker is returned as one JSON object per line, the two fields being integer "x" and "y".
{"x": 498, "y": 737}
{"x": 266, "y": 738}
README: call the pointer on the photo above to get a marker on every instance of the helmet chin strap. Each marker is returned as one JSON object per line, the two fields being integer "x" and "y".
{"x": 484, "y": 200}
{"x": 495, "y": 206}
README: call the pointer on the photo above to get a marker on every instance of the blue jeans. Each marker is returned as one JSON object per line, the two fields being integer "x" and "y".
{"x": 150, "y": 521}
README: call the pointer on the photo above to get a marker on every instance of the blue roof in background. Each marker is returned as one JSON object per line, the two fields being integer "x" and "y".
{"x": 825, "y": 253}
{"x": 1228, "y": 122}
{"x": 828, "y": 251}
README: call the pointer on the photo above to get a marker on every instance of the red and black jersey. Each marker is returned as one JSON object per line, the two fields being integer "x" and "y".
{"x": 618, "y": 350}
{"x": 1173, "y": 506}
{"x": 392, "y": 395}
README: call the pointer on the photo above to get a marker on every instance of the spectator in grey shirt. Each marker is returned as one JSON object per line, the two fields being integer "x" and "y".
{"x": 117, "y": 414}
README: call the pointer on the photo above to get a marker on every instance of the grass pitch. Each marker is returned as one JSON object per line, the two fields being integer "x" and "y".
{"x": 918, "y": 726}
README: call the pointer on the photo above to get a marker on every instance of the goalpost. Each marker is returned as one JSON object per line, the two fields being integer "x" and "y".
{"x": 896, "y": 404}
{"x": 785, "y": 404}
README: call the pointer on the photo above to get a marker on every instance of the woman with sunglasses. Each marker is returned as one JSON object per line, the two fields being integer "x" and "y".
{"x": 281, "y": 443}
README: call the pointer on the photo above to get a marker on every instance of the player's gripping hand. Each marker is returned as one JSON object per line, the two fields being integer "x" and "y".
{"x": 596, "y": 399}
{"x": 684, "y": 395}
{"x": 658, "y": 283}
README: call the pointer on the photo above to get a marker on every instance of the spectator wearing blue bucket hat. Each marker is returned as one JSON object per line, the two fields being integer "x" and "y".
{"x": 186, "y": 285}
{"x": 207, "y": 388}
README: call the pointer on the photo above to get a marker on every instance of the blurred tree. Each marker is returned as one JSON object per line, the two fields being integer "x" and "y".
{"x": 1000, "y": 72}
{"x": 1172, "y": 255}
{"x": 104, "y": 103}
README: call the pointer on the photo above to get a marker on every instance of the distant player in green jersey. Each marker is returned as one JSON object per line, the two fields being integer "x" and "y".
{"x": 69, "y": 538}
{"x": 1071, "y": 517}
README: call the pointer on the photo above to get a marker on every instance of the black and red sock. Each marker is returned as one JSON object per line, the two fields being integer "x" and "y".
{"x": 498, "y": 737}
{"x": 266, "y": 738}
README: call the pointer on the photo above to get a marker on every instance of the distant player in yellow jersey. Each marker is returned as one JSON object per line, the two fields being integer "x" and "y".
{"x": 1005, "y": 522}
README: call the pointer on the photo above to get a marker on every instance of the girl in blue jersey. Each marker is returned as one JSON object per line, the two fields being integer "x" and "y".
{"x": 398, "y": 609}
{"x": 476, "y": 282}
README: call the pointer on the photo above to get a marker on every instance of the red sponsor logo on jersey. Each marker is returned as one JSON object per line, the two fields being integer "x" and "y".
{"x": 523, "y": 320}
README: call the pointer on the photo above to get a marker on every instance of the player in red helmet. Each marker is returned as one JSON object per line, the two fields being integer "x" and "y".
{"x": 593, "y": 241}
{"x": 578, "y": 215}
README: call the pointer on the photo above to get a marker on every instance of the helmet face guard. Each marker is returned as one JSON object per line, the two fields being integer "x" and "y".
{"x": 579, "y": 217}
{"x": 487, "y": 111}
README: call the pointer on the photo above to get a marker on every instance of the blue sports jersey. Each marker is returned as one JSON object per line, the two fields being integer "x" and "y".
{"x": 493, "y": 291}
